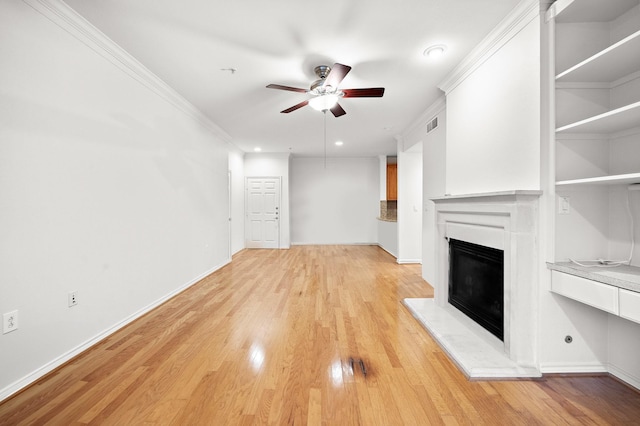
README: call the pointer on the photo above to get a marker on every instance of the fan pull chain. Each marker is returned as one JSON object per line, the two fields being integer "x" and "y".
{"x": 325, "y": 138}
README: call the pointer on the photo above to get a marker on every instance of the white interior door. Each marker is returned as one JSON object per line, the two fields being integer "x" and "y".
{"x": 263, "y": 213}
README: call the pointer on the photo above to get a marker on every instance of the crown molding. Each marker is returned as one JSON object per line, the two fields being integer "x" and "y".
{"x": 510, "y": 26}
{"x": 61, "y": 14}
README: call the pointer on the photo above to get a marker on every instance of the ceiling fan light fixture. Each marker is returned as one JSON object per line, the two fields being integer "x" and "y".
{"x": 435, "y": 52}
{"x": 323, "y": 102}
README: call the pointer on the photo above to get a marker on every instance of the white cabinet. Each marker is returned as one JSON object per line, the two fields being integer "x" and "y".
{"x": 598, "y": 295}
{"x": 603, "y": 296}
{"x": 630, "y": 305}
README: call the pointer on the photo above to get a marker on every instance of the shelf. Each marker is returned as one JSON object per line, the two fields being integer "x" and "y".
{"x": 609, "y": 65}
{"x": 626, "y": 179}
{"x": 590, "y": 10}
{"x": 624, "y": 118}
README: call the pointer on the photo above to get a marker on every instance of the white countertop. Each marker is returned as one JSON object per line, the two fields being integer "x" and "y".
{"x": 623, "y": 276}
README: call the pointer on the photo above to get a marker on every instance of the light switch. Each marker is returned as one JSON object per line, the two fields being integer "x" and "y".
{"x": 564, "y": 206}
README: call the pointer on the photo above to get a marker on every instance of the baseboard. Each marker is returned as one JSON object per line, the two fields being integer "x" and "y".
{"x": 392, "y": 254}
{"x": 333, "y": 244}
{"x": 573, "y": 368}
{"x": 68, "y": 356}
{"x": 627, "y": 378}
{"x": 407, "y": 261}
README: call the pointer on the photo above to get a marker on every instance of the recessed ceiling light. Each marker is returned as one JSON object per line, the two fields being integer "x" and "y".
{"x": 257, "y": 149}
{"x": 434, "y": 52}
{"x": 339, "y": 143}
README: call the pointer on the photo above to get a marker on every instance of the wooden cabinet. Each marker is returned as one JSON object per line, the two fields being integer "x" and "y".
{"x": 392, "y": 182}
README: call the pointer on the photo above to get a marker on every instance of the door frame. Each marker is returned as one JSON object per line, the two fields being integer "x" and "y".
{"x": 246, "y": 209}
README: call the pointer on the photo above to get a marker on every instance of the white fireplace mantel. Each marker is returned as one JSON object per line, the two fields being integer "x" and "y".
{"x": 507, "y": 221}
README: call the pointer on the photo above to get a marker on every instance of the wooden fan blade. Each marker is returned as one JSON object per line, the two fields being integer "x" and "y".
{"x": 295, "y": 107}
{"x": 371, "y": 92}
{"x": 337, "y": 110}
{"x": 336, "y": 75}
{"x": 289, "y": 88}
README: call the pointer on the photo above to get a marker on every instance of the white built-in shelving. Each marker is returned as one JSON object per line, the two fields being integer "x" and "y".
{"x": 597, "y": 85}
{"x": 596, "y": 161}
{"x": 626, "y": 179}
{"x": 616, "y": 120}
{"x": 614, "y": 69}
{"x": 609, "y": 65}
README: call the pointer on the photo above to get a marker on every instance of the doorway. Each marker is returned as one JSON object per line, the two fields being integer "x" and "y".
{"x": 262, "y": 224}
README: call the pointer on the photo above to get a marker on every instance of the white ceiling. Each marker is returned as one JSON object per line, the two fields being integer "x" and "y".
{"x": 189, "y": 43}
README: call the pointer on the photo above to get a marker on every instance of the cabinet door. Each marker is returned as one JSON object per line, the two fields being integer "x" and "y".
{"x": 630, "y": 305}
{"x": 392, "y": 182}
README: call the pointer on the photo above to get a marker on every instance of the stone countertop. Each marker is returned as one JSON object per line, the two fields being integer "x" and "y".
{"x": 623, "y": 276}
{"x": 387, "y": 220}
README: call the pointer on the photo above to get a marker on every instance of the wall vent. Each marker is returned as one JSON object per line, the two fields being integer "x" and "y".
{"x": 432, "y": 124}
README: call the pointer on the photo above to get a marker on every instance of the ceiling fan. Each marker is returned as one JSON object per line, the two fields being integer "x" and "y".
{"x": 325, "y": 93}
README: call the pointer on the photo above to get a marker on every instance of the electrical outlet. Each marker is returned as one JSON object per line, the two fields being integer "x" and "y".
{"x": 564, "y": 205}
{"x": 9, "y": 322}
{"x": 73, "y": 298}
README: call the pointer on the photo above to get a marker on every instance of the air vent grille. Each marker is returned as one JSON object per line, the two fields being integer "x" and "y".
{"x": 432, "y": 124}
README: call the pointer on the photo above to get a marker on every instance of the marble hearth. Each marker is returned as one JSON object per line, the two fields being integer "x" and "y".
{"x": 506, "y": 221}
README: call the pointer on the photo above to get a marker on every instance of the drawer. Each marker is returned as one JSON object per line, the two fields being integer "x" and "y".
{"x": 598, "y": 295}
{"x": 630, "y": 305}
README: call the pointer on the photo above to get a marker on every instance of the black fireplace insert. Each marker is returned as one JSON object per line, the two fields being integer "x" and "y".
{"x": 476, "y": 284}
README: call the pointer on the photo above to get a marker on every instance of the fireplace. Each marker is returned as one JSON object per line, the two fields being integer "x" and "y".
{"x": 476, "y": 284}
{"x": 506, "y": 223}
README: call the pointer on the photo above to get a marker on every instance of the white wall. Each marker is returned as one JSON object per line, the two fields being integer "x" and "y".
{"x": 433, "y": 185}
{"x": 383, "y": 177}
{"x": 493, "y": 120}
{"x": 388, "y": 237}
{"x": 273, "y": 165}
{"x": 337, "y": 204}
{"x": 410, "y": 204}
{"x": 236, "y": 168}
{"x": 107, "y": 189}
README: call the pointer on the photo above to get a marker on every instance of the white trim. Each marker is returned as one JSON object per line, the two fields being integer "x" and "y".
{"x": 573, "y": 368}
{"x": 628, "y": 378}
{"x": 525, "y": 12}
{"x": 334, "y": 244}
{"x": 73, "y": 23}
{"x": 408, "y": 261}
{"x": 557, "y": 8}
{"x": 57, "y": 362}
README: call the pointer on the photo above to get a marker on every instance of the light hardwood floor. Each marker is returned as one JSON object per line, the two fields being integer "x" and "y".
{"x": 269, "y": 339}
